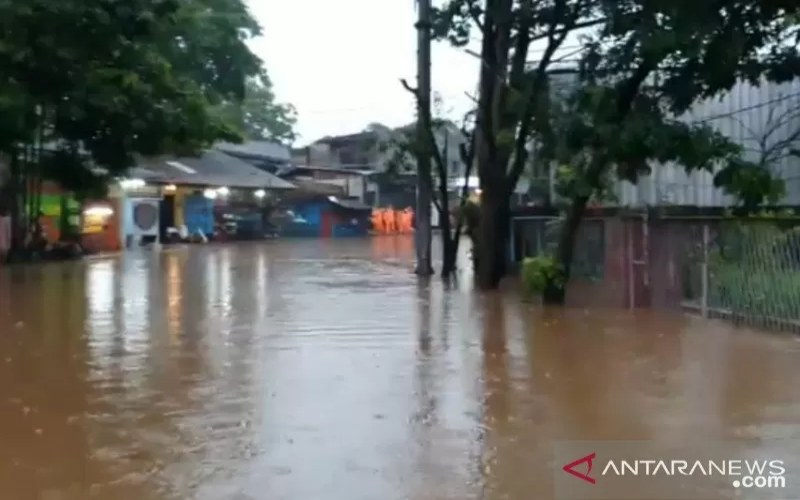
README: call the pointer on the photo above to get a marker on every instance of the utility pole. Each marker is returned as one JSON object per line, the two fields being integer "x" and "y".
{"x": 423, "y": 233}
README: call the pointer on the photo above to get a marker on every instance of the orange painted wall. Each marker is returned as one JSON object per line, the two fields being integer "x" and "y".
{"x": 108, "y": 240}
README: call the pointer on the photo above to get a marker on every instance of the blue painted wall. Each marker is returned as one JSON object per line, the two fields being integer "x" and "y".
{"x": 312, "y": 213}
{"x": 198, "y": 214}
{"x": 310, "y": 227}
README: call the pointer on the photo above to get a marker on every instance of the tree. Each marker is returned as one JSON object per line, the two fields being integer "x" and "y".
{"x": 648, "y": 64}
{"x": 259, "y": 116}
{"x": 643, "y": 58}
{"x": 405, "y": 146}
{"x": 511, "y": 99}
{"x": 778, "y": 139}
{"x": 96, "y": 83}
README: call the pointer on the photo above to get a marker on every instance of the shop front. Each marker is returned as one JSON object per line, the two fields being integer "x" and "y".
{"x": 100, "y": 226}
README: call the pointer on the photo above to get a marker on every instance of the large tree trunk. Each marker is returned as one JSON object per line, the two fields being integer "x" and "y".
{"x": 491, "y": 249}
{"x": 423, "y": 231}
{"x": 449, "y": 255}
{"x": 449, "y": 242}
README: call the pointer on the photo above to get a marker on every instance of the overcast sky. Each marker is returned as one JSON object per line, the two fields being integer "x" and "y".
{"x": 340, "y": 63}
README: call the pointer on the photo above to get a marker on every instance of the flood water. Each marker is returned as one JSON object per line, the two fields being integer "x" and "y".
{"x": 324, "y": 370}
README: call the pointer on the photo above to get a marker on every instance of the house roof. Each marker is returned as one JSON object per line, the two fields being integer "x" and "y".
{"x": 341, "y": 202}
{"x": 339, "y": 139}
{"x": 295, "y": 169}
{"x": 265, "y": 150}
{"x": 212, "y": 168}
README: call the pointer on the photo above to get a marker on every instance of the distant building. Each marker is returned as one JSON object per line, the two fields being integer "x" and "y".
{"x": 357, "y": 162}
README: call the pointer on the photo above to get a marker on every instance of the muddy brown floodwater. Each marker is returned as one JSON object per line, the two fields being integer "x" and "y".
{"x": 321, "y": 370}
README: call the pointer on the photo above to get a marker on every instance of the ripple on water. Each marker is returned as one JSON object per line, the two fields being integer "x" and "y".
{"x": 298, "y": 369}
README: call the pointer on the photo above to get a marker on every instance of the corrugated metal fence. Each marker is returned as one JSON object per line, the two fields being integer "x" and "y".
{"x": 764, "y": 119}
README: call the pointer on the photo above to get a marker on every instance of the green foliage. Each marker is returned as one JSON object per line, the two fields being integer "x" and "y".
{"x": 401, "y": 147}
{"x": 259, "y": 116}
{"x": 71, "y": 172}
{"x": 648, "y": 64}
{"x": 119, "y": 79}
{"x": 644, "y": 64}
{"x": 762, "y": 294}
{"x": 400, "y": 150}
{"x": 540, "y": 272}
{"x": 755, "y": 271}
{"x": 571, "y": 181}
{"x": 90, "y": 83}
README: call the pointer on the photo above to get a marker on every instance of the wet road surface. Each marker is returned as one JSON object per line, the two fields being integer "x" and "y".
{"x": 324, "y": 370}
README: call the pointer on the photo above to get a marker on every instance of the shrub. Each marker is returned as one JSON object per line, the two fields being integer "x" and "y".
{"x": 538, "y": 271}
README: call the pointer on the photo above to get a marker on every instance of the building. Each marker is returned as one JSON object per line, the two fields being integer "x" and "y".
{"x": 213, "y": 195}
{"x": 353, "y": 183}
{"x": 764, "y": 119}
{"x": 320, "y": 216}
{"x": 376, "y": 148}
{"x": 671, "y": 240}
{"x": 360, "y": 162}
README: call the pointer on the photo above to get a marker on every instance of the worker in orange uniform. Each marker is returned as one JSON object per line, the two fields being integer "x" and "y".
{"x": 377, "y": 221}
{"x": 388, "y": 220}
{"x": 398, "y": 227}
{"x": 406, "y": 222}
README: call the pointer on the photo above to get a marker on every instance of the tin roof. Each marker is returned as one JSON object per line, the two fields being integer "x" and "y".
{"x": 265, "y": 150}
{"x": 212, "y": 168}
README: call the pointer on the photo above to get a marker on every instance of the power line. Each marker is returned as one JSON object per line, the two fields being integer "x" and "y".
{"x": 735, "y": 112}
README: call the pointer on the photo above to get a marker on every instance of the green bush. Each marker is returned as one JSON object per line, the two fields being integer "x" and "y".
{"x": 755, "y": 270}
{"x": 538, "y": 271}
{"x": 755, "y": 292}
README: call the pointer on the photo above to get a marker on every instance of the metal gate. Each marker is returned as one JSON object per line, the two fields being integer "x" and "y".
{"x": 638, "y": 257}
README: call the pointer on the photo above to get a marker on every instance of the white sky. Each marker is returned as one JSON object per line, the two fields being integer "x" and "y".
{"x": 340, "y": 63}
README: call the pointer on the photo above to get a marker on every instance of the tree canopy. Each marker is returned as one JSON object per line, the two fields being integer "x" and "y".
{"x": 116, "y": 79}
{"x": 102, "y": 81}
{"x": 642, "y": 63}
{"x": 259, "y": 116}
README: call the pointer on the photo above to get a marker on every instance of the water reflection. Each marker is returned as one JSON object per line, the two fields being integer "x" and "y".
{"x": 327, "y": 370}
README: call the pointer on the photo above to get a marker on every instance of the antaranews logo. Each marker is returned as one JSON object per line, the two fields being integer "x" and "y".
{"x": 572, "y": 468}
{"x": 741, "y": 473}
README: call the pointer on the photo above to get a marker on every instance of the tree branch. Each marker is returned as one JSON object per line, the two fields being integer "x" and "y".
{"x": 474, "y": 14}
{"x": 432, "y": 150}
{"x": 555, "y": 38}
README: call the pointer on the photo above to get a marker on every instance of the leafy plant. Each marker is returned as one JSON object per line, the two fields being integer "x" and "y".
{"x": 755, "y": 271}
{"x": 540, "y": 272}
{"x": 100, "y": 82}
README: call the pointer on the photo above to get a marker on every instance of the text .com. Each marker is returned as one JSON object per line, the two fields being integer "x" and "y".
{"x": 743, "y": 473}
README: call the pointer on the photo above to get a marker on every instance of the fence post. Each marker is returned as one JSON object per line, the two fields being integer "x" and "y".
{"x": 628, "y": 231}
{"x": 512, "y": 247}
{"x": 704, "y": 276}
